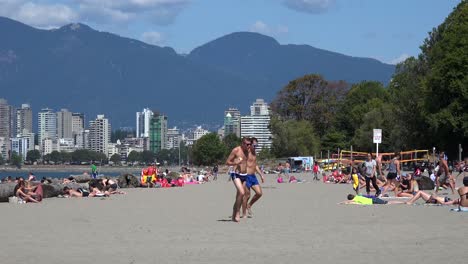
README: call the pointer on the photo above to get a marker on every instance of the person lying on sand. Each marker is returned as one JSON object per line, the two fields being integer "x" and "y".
{"x": 81, "y": 192}
{"x": 357, "y": 199}
{"x": 432, "y": 199}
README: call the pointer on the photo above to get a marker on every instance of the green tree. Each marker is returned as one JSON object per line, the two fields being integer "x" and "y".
{"x": 445, "y": 84}
{"x": 293, "y": 138}
{"x": 133, "y": 156}
{"x": 410, "y": 127}
{"x": 231, "y": 141}
{"x": 115, "y": 159}
{"x": 147, "y": 157}
{"x": 208, "y": 150}
{"x": 33, "y": 155}
{"x": 334, "y": 139}
{"x": 360, "y": 99}
{"x": 310, "y": 98}
{"x": 16, "y": 160}
{"x": 65, "y": 157}
{"x": 55, "y": 157}
{"x": 381, "y": 117}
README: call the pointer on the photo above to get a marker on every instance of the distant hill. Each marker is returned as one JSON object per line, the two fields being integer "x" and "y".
{"x": 94, "y": 72}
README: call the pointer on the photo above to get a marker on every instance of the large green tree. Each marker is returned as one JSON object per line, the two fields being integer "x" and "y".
{"x": 445, "y": 84}
{"x": 208, "y": 150}
{"x": 33, "y": 155}
{"x": 310, "y": 98}
{"x": 231, "y": 141}
{"x": 361, "y": 98}
{"x": 293, "y": 138}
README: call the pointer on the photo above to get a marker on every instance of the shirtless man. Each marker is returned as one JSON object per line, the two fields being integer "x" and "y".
{"x": 443, "y": 175}
{"x": 251, "y": 181}
{"x": 238, "y": 158}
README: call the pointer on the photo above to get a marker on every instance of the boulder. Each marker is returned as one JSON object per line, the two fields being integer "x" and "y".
{"x": 425, "y": 183}
{"x": 128, "y": 181}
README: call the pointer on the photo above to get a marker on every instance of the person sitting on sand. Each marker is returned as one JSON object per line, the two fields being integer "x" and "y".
{"x": 357, "y": 199}
{"x": 34, "y": 195}
{"x": 431, "y": 199}
{"x": 463, "y": 200}
{"x": 406, "y": 186}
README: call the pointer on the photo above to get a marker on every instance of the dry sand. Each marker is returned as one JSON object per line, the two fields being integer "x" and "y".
{"x": 293, "y": 223}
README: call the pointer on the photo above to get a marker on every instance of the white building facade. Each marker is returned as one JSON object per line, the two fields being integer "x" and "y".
{"x": 99, "y": 134}
{"x": 257, "y": 124}
{"x": 143, "y": 120}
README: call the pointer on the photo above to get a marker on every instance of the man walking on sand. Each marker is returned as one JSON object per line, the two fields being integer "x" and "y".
{"x": 443, "y": 175}
{"x": 251, "y": 181}
{"x": 238, "y": 158}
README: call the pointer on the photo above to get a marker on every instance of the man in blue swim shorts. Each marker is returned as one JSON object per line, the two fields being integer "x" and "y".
{"x": 238, "y": 159}
{"x": 251, "y": 181}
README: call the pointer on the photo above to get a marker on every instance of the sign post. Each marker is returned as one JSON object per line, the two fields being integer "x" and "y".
{"x": 377, "y": 139}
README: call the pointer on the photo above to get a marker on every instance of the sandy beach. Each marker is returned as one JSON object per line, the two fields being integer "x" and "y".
{"x": 292, "y": 223}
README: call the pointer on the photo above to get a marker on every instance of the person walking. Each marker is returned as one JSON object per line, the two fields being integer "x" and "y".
{"x": 238, "y": 159}
{"x": 369, "y": 174}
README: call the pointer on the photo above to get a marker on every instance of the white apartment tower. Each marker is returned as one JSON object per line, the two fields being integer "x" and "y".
{"x": 47, "y": 125}
{"x": 199, "y": 132}
{"x": 24, "y": 119}
{"x": 143, "y": 120}
{"x": 257, "y": 124}
{"x": 64, "y": 124}
{"x": 99, "y": 134}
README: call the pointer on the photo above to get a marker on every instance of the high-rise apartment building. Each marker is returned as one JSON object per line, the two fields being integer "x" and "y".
{"x": 99, "y": 134}
{"x": 64, "y": 124}
{"x": 5, "y": 128}
{"x": 24, "y": 120}
{"x": 257, "y": 124}
{"x": 78, "y": 123}
{"x": 143, "y": 120}
{"x": 232, "y": 119}
{"x": 158, "y": 132}
{"x": 199, "y": 132}
{"x": 5, "y": 119}
{"x": 47, "y": 125}
{"x": 173, "y": 138}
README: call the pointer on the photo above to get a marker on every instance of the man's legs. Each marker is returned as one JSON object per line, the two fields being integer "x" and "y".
{"x": 238, "y": 202}
{"x": 258, "y": 194}
{"x": 245, "y": 200}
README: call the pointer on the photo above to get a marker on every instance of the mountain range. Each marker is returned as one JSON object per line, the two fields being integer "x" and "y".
{"x": 93, "y": 72}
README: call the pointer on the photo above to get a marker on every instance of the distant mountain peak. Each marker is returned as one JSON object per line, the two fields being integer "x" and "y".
{"x": 76, "y": 27}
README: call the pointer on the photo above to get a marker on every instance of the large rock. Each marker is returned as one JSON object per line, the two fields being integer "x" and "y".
{"x": 128, "y": 181}
{"x": 425, "y": 183}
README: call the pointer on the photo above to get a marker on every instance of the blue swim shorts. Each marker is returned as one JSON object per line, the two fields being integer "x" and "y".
{"x": 241, "y": 177}
{"x": 251, "y": 180}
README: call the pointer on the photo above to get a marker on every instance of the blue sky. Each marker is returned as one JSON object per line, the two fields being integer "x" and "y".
{"x": 388, "y": 30}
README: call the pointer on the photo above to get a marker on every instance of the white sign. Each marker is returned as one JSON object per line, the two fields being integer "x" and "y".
{"x": 378, "y": 136}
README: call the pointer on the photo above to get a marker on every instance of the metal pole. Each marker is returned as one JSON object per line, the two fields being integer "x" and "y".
{"x": 433, "y": 156}
{"x": 352, "y": 163}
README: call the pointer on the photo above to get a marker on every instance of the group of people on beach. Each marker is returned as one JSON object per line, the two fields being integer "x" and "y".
{"x": 243, "y": 158}
{"x": 403, "y": 184}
